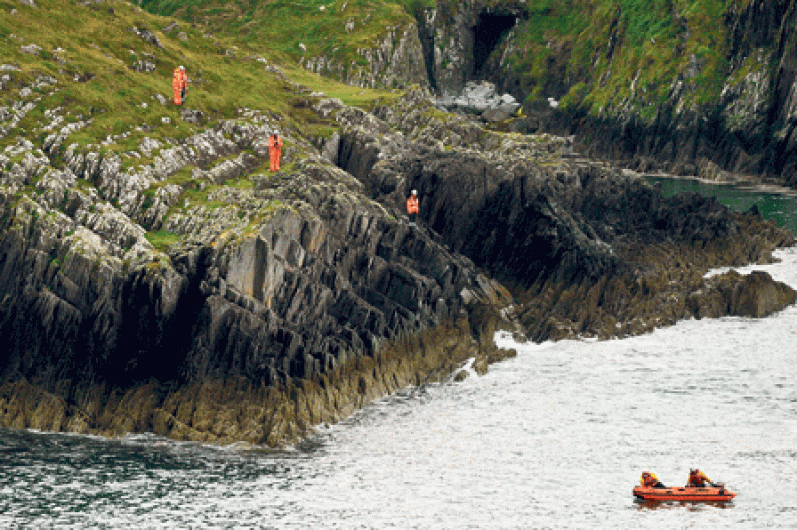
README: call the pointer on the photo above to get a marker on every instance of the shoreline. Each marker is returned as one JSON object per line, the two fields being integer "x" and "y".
{"x": 229, "y": 411}
{"x": 750, "y": 184}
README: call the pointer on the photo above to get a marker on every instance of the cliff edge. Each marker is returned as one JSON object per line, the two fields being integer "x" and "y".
{"x": 156, "y": 276}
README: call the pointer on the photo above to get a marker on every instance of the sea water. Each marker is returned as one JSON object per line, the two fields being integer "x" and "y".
{"x": 554, "y": 438}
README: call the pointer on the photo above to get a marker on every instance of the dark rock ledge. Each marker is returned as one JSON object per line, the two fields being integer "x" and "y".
{"x": 307, "y": 295}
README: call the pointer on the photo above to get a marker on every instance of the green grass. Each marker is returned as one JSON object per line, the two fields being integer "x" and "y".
{"x": 281, "y": 25}
{"x": 96, "y": 83}
{"x": 653, "y": 42}
{"x": 350, "y": 95}
{"x": 115, "y": 97}
{"x": 162, "y": 239}
{"x": 558, "y": 42}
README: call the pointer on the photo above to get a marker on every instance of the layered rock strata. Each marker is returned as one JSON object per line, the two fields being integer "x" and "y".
{"x": 589, "y": 249}
{"x": 275, "y": 282}
{"x": 291, "y": 299}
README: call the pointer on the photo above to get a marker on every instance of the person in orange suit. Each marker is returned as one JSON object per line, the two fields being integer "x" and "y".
{"x": 649, "y": 480}
{"x": 275, "y": 150}
{"x": 413, "y": 206}
{"x": 179, "y": 84}
{"x": 697, "y": 479}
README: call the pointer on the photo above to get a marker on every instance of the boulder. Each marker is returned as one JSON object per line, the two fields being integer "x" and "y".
{"x": 147, "y": 36}
{"x": 481, "y": 98}
{"x": 754, "y": 295}
{"x": 144, "y": 65}
{"x": 31, "y": 49}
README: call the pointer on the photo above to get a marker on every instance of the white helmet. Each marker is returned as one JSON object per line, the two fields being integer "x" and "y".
{"x": 182, "y": 67}
{"x": 415, "y": 192}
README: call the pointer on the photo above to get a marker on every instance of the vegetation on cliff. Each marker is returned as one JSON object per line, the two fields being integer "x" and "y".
{"x": 107, "y": 89}
{"x": 155, "y": 276}
{"x": 693, "y": 86}
{"x": 145, "y": 248}
{"x": 322, "y": 27}
{"x": 587, "y": 50}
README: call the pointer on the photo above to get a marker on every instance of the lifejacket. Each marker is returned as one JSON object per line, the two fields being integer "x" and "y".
{"x": 413, "y": 205}
{"x": 274, "y": 145}
{"x": 698, "y": 479}
{"x": 649, "y": 479}
{"x": 179, "y": 79}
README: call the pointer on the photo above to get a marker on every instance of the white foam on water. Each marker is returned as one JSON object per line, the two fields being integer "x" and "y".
{"x": 554, "y": 438}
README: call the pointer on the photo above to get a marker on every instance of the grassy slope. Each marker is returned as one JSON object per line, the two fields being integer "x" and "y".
{"x": 106, "y": 48}
{"x": 654, "y": 41}
{"x": 282, "y": 25}
{"x": 120, "y": 102}
{"x": 562, "y": 44}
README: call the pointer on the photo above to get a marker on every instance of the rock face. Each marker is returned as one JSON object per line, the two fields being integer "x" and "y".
{"x": 301, "y": 280}
{"x": 754, "y": 295}
{"x": 595, "y": 251}
{"x": 724, "y": 103}
{"x": 460, "y": 39}
{"x": 397, "y": 61}
{"x": 744, "y": 125}
{"x": 291, "y": 301}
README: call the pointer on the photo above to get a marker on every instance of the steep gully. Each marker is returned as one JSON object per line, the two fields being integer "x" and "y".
{"x": 747, "y": 133}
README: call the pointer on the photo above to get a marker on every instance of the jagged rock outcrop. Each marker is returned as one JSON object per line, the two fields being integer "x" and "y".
{"x": 287, "y": 300}
{"x": 754, "y": 295}
{"x": 579, "y": 238}
{"x": 289, "y": 282}
{"x": 396, "y": 61}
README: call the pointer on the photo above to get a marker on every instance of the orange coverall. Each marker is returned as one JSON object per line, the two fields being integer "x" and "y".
{"x": 275, "y": 151}
{"x": 179, "y": 84}
{"x": 413, "y": 205}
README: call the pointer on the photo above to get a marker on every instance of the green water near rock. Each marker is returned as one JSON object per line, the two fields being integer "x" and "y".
{"x": 780, "y": 207}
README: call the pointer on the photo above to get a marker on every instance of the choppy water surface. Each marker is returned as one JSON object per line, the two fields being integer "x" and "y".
{"x": 555, "y": 438}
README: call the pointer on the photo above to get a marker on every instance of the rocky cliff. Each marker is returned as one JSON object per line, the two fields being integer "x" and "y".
{"x": 588, "y": 248}
{"x": 695, "y": 89}
{"x": 161, "y": 279}
{"x": 699, "y": 88}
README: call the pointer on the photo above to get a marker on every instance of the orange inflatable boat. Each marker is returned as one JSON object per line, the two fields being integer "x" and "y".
{"x": 710, "y": 494}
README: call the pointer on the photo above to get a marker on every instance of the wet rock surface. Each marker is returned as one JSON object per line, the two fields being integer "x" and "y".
{"x": 299, "y": 297}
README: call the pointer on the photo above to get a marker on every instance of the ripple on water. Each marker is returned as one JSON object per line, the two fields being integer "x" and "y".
{"x": 554, "y": 438}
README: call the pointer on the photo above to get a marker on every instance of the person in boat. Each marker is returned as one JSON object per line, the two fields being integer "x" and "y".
{"x": 649, "y": 480}
{"x": 698, "y": 479}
